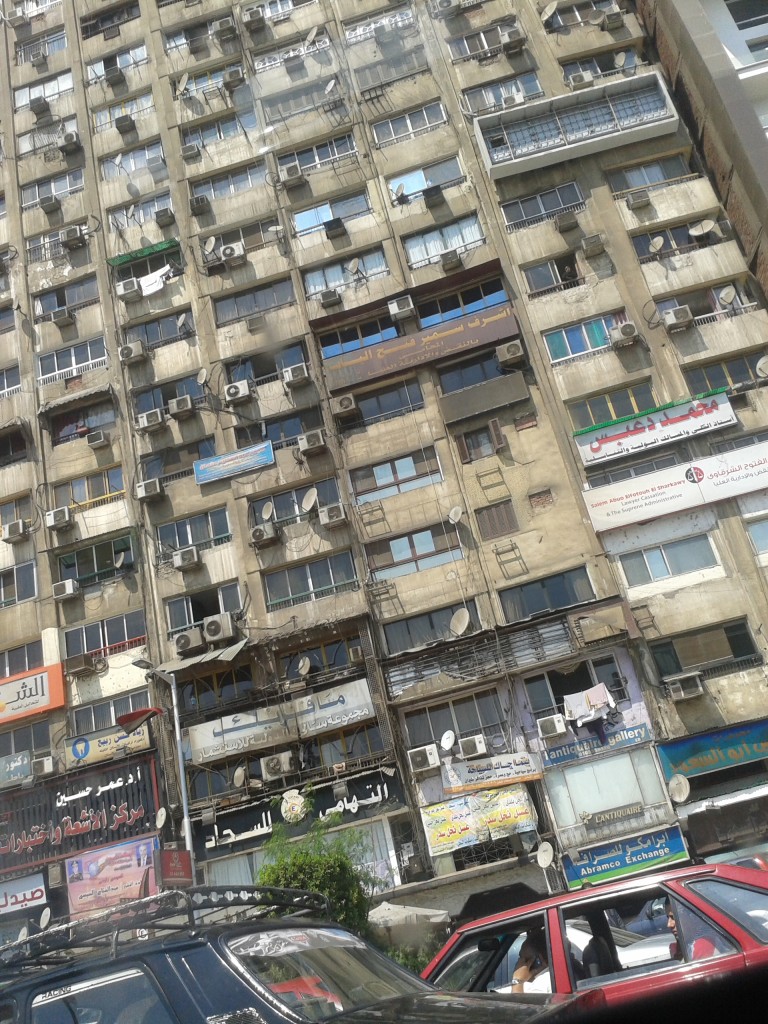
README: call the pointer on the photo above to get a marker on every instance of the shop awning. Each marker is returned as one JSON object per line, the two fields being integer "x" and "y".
{"x": 75, "y": 396}
{"x": 710, "y": 803}
{"x": 216, "y": 654}
{"x": 138, "y": 254}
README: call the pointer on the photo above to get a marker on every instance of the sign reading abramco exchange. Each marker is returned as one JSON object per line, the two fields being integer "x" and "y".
{"x": 609, "y": 861}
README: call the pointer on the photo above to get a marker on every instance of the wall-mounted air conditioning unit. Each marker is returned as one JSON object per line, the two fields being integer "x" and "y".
{"x": 432, "y": 196}
{"x": 450, "y": 260}
{"x": 15, "y": 531}
{"x": 292, "y": 58}
{"x": 343, "y": 407}
{"x": 60, "y": 518}
{"x": 199, "y": 205}
{"x": 97, "y": 439}
{"x": 277, "y": 766}
{"x": 39, "y": 105}
{"x": 63, "y": 317}
{"x": 224, "y": 28}
{"x": 684, "y": 685}
{"x": 566, "y": 220}
{"x": 623, "y": 334}
{"x": 17, "y": 17}
{"x": 473, "y": 746}
{"x": 189, "y": 641}
{"x": 164, "y": 217}
{"x": 38, "y": 58}
{"x": 70, "y": 143}
{"x": 253, "y": 18}
{"x": 150, "y": 490}
{"x": 219, "y": 627}
{"x": 552, "y": 725}
{"x": 146, "y": 422}
{"x": 592, "y": 245}
{"x": 65, "y": 589}
{"x": 638, "y": 199}
{"x": 181, "y": 408}
{"x": 332, "y": 516}
{"x": 296, "y": 376}
{"x": 79, "y": 665}
{"x": 421, "y": 759}
{"x": 401, "y": 308}
{"x": 581, "y": 80}
{"x": 264, "y": 535}
{"x": 236, "y": 392}
{"x": 312, "y": 442}
{"x": 232, "y": 79}
{"x": 330, "y": 297}
{"x": 186, "y": 558}
{"x": 514, "y": 99}
{"x": 233, "y": 254}
{"x": 356, "y": 654}
{"x": 129, "y": 291}
{"x": 447, "y": 8}
{"x": 49, "y": 204}
{"x": 511, "y": 353}
{"x": 42, "y": 766}
{"x": 292, "y": 174}
{"x": 677, "y": 318}
{"x": 125, "y": 124}
{"x": 512, "y": 40}
{"x": 114, "y": 75}
{"x": 132, "y": 352}
{"x": 73, "y": 237}
{"x": 613, "y": 19}
{"x": 254, "y": 324}
{"x": 334, "y": 228}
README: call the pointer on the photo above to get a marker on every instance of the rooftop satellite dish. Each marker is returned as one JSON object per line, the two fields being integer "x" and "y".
{"x": 459, "y": 623}
{"x": 239, "y": 777}
{"x": 182, "y": 84}
{"x": 545, "y": 854}
{"x": 160, "y": 818}
{"x": 728, "y": 295}
{"x": 679, "y": 789}
{"x": 209, "y": 245}
{"x": 620, "y": 59}
{"x": 657, "y": 244}
{"x": 548, "y": 11}
{"x": 330, "y": 87}
{"x": 309, "y": 500}
{"x": 119, "y": 559}
{"x": 304, "y": 665}
{"x": 311, "y": 37}
{"x": 702, "y": 228}
{"x": 202, "y": 376}
{"x": 45, "y": 917}
{"x": 596, "y": 18}
{"x": 447, "y": 740}
{"x": 181, "y": 322}
{"x": 353, "y": 266}
{"x": 761, "y": 369}
{"x": 455, "y": 514}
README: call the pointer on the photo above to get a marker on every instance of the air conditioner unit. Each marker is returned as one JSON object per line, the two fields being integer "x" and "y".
{"x": 238, "y": 391}
{"x": 130, "y": 290}
{"x": 114, "y": 75}
{"x": 515, "y": 99}
{"x": 38, "y": 57}
{"x": 624, "y": 334}
{"x": 186, "y": 558}
{"x": 401, "y": 308}
{"x": 233, "y": 254}
{"x": 684, "y": 685}
{"x": 447, "y": 8}
{"x": 219, "y": 627}
{"x": 512, "y": 40}
{"x": 264, "y": 535}
{"x": 638, "y": 199}
{"x": 510, "y": 353}
{"x": 65, "y": 589}
{"x": 613, "y": 19}
{"x": 566, "y": 221}
{"x": 39, "y": 105}
{"x": 111, "y": 32}
{"x": 15, "y": 531}
{"x": 292, "y": 174}
{"x": 164, "y": 217}
{"x": 63, "y": 317}
{"x": 42, "y": 766}
{"x": 70, "y": 142}
{"x": 60, "y": 518}
{"x": 149, "y": 421}
{"x": 150, "y": 490}
{"x": 49, "y": 204}
{"x": 199, "y": 205}
{"x": 97, "y": 439}
{"x": 472, "y": 746}
{"x": 330, "y": 297}
{"x": 356, "y": 654}
{"x": 189, "y": 641}
{"x": 552, "y": 725}
{"x": 343, "y": 407}
{"x": 432, "y": 196}
{"x": 132, "y": 352}
{"x": 224, "y": 28}
{"x": 332, "y": 516}
{"x": 125, "y": 124}
{"x": 678, "y": 317}
{"x": 276, "y": 766}
{"x": 232, "y": 79}
{"x": 17, "y": 17}
{"x": 581, "y": 80}
{"x": 156, "y": 165}
{"x": 79, "y": 665}
{"x": 182, "y": 407}
{"x": 334, "y": 228}
{"x": 73, "y": 238}
{"x": 421, "y": 759}
{"x": 292, "y": 58}
{"x": 312, "y": 442}
{"x": 296, "y": 376}
{"x": 450, "y": 260}
{"x": 254, "y": 324}
{"x": 198, "y": 43}
{"x": 592, "y": 245}
{"x": 253, "y": 18}
{"x": 191, "y": 151}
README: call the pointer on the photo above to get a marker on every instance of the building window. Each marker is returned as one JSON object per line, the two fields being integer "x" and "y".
{"x": 550, "y": 594}
{"x": 168, "y": 261}
{"x": 345, "y": 208}
{"x": 104, "y": 713}
{"x": 670, "y": 241}
{"x": 202, "y": 530}
{"x": 321, "y": 154}
{"x": 359, "y": 31}
{"x": 399, "y": 65}
{"x": 21, "y": 659}
{"x": 50, "y": 43}
{"x": 710, "y": 305}
{"x": 590, "y": 412}
{"x": 429, "y": 246}
{"x": 239, "y": 179}
{"x": 219, "y": 131}
{"x": 394, "y": 400}
{"x": 16, "y": 508}
{"x": 496, "y": 521}
{"x": 406, "y": 126}
{"x": 312, "y": 97}
{"x": 337, "y": 275}
{"x": 175, "y": 463}
{"x": 542, "y": 205}
{"x": 90, "y": 27}
{"x": 467, "y": 374}
{"x": 343, "y": 747}
{"x": 45, "y": 138}
{"x": 164, "y": 331}
{"x": 600, "y": 64}
{"x": 135, "y": 106}
{"x": 347, "y": 339}
{"x": 33, "y": 739}
{"x": 132, "y": 160}
{"x": 135, "y": 214}
{"x": 10, "y": 381}
{"x": 546, "y": 692}
{"x": 270, "y": 61}
{"x": 420, "y": 630}
{"x": 396, "y": 476}
{"x": 69, "y": 426}
{"x": 129, "y": 58}
{"x": 469, "y": 300}
{"x": 17, "y": 584}
{"x": 217, "y": 690}
{"x": 65, "y": 363}
{"x": 412, "y": 184}
{"x": 745, "y": 441}
{"x": 191, "y": 609}
{"x": 581, "y": 339}
{"x": 674, "y": 558}
{"x": 476, "y": 44}
{"x": 202, "y": 81}
{"x": 480, "y": 442}
{"x": 310, "y": 581}
{"x": 413, "y": 552}
{"x": 282, "y": 431}
{"x": 614, "y": 474}
{"x": 84, "y": 490}
{"x": 103, "y": 561}
{"x": 757, "y": 531}
{"x": 265, "y": 367}
{"x": 47, "y": 246}
{"x": 479, "y": 714}
{"x": 288, "y": 506}
{"x": 109, "y": 636}
{"x": 724, "y": 374}
{"x": 747, "y": 13}
{"x": 567, "y": 15}
{"x": 250, "y": 303}
{"x": 66, "y": 184}
{"x": 159, "y": 396}
{"x": 711, "y": 648}
{"x": 69, "y": 296}
{"x": 648, "y": 174}
{"x": 326, "y": 658}
{"x": 50, "y": 89}
{"x": 553, "y": 275}
{"x": 483, "y": 99}
{"x": 13, "y": 447}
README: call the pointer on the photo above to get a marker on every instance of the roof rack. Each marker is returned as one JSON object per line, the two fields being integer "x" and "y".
{"x": 172, "y": 910}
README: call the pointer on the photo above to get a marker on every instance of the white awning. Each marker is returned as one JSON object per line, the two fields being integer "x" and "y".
{"x": 722, "y": 800}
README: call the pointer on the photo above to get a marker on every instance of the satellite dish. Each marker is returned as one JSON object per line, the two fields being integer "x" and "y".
{"x": 545, "y": 854}
{"x": 309, "y": 500}
{"x": 117, "y": 159}
{"x": 311, "y": 37}
{"x": 761, "y": 369}
{"x": 239, "y": 777}
{"x": 330, "y": 87}
{"x": 202, "y": 376}
{"x": 45, "y": 917}
{"x": 620, "y": 59}
{"x": 160, "y": 818}
{"x": 455, "y": 514}
{"x": 596, "y": 18}
{"x": 133, "y": 190}
{"x": 702, "y": 228}
{"x": 447, "y": 740}
{"x": 459, "y": 623}
{"x": 548, "y": 11}
{"x": 657, "y": 244}
{"x": 679, "y": 788}
{"x": 209, "y": 245}
{"x": 119, "y": 559}
{"x": 181, "y": 322}
{"x": 130, "y": 212}
{"x": 353, "y": 266}
{"x": 182, "y": 85}
{"x": 728, "y": 295}
{"x": 400, "y": 189}
{"x": 304, "y": 665}
{"x": 267, "y": 510}
{"x": 23, "y": 934}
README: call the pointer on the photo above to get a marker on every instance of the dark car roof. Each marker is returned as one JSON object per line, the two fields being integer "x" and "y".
{"x": 462, "y": 1008}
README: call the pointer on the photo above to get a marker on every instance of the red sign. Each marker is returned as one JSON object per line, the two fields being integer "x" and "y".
{"x": 174, "y": 868}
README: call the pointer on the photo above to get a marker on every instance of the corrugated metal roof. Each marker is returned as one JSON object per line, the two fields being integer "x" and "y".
{"x": 215, "y": 654}
{"x": 148, "y": 250}
{"x": 75, "y": 396}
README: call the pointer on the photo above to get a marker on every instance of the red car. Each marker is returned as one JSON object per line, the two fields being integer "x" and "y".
{"x": 717, "y": 922}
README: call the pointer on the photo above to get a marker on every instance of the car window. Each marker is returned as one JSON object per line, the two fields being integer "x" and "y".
{"x": 748, "y": 907}
{"x": 485, "y": 961}
{"x": 122, "y": 997}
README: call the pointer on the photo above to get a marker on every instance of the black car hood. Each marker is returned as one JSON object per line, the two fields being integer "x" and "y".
{"x": 455, "y": 1008}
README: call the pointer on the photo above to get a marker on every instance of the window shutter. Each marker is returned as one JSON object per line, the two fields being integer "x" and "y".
{"x": 463, "y": 450}
{"x": 497, "y": 437}
{"x": 496, "y": 520}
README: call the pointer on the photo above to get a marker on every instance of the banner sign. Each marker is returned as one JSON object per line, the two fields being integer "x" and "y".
{"x": 485, "y": 772}
{"x": 15, "y": 767}
{"x": 31, "y": 693}
{"x": 609, "y": 861}
{"x": 247, "y": 730}
{"x": 711, "y": 751}
{"x": 22, "y": 894}
{"x": 477, "y": 818}
{"x": 244, "y": 460}
{"x": 334, "y": 708}
{"x": 105, "y": 745}
{"x": 103, "y": 877}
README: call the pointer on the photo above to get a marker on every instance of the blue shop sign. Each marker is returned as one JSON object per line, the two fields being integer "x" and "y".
{"x": 616, "y": 737}
{"x": 613, "y": 860}
{"x": 244, "y": 460}
{"x": 15, "y": 767}
{"x": 711, "y": 751}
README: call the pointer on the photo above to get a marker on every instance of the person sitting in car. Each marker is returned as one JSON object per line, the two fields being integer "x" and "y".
{"x": 532, "y": 972}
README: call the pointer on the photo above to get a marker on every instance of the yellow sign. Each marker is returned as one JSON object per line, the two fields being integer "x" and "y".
{"x": 477, "y": 818}
{"x": 94, "y": 747}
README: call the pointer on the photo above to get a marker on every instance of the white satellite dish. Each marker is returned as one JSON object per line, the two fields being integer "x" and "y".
{"x": 202, "y": 376}
{"x": 728, "y": 295}
{"x": 309, "y": 500}
{"x": 182, "y": 86}
{"x": 353, "y": 266}
{"x": 239, "y": 777}
{"x": 657, "y": 244}
{"x": 209, "y": 245}
{"x": 545, "y": 854}
{"x": 117, "y": 159}
{"x": 23, "y": 934}
{"x": 130, "y": 212}
{"x": 620, "y": 59}
{"x": 330, "y": 87}
{"x": 702, "y": 228}
{"x": 45, "y": 917}
{"x": 267, "y": 510}
{"x": 459, "y": 623}
{"x": 181, "y": 322}
{"x": 304, "y": 665}
{"x": 160, "y": 818}
{"x": 548, "y": 11}
{"x": 596, "y": 18}
{"x": 311, "y": 37}
{"x": 455, "y": 514}
{"x": 119, "y": 559}
{"x": 761, "y": 369}
{"x": 447, "y": 740}
{"x": 679, "y": 789}
{"x": 400, "y": 189}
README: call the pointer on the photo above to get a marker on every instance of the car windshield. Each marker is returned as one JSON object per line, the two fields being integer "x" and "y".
{"x": 319, "y": 972}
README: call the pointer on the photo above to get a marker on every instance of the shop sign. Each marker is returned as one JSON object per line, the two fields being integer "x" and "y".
{"x": 18, "y": 894}
{"x": 477, "y": 818}
{"x": 173, "y": 868}
{"x": 94, "y": 747}
{"x": 610, "y": 861}
{"x": 489, "y": 772}
{"x": 15, "y": 767}
{"x": 596, "y": 820}
{"x": 105, "y": 876}
{"x": 711, "y": 751}
{"x": 30, "y": 693}
{"x": 335, "y": 708}
{"x": 617, "y": 736}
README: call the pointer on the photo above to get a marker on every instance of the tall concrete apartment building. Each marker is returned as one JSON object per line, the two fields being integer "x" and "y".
{"x": 385, "y": 377}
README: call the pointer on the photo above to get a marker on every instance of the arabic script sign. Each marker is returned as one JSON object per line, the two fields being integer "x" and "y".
{"x": 477, "y": 818}
{"x": 609, "y": 861}
{"x": 247, "y": 730}
{"x": 31, "y": 693}
{"x": 335, "y": 708}
{"x": 485, "y": 772}
{"x": 14, "y": 767}
{"x": 709, "y": 752}
{"x": 244, "y": 460}
{"x": 21, "y": 894}
{"x": 103, "y": 877}
{"x": 652, "y": 429}
{"x": 94, "y": 747}
{"x": 689, "y": 485}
